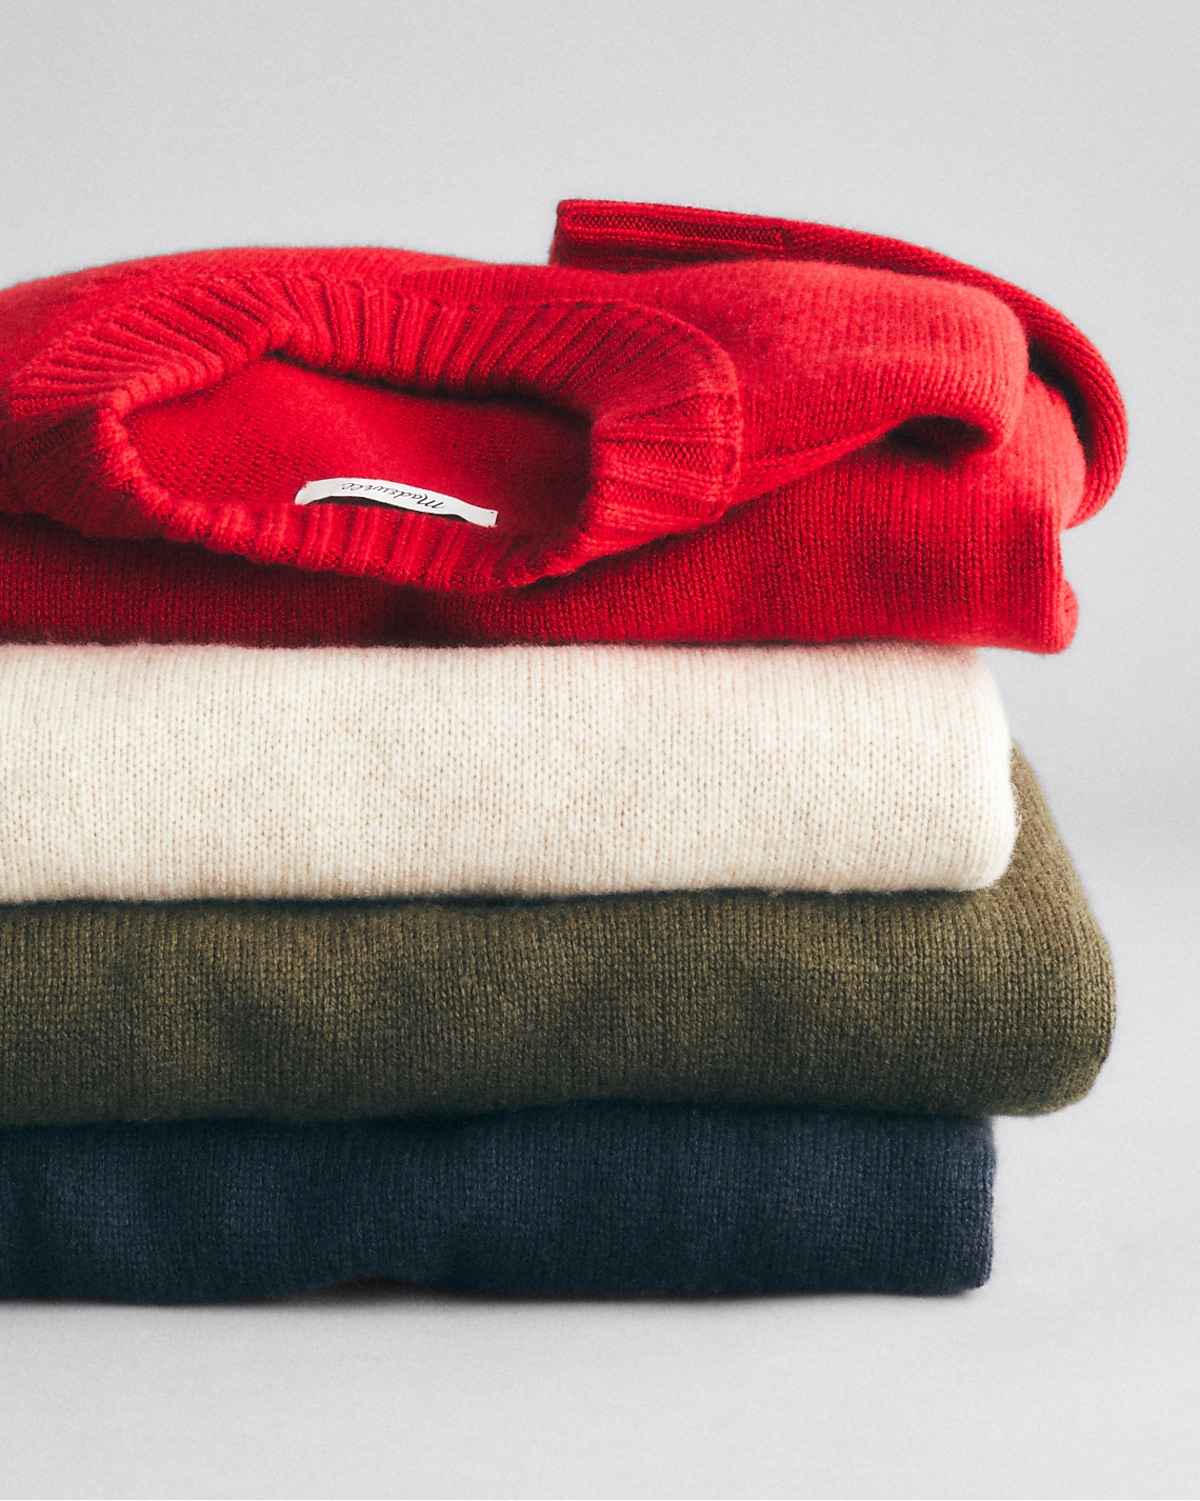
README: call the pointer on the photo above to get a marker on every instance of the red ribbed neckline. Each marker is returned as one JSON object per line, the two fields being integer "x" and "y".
{"x": 661, "y": 399}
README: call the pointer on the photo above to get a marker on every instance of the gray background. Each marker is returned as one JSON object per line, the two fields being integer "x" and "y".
{"x": 1055, "y": 144}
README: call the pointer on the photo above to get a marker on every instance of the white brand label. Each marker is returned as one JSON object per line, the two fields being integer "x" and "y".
{"x": 383, "y": 492}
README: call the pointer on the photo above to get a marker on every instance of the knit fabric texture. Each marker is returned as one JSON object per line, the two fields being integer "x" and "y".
{"x": 160, "y": 772}
{"x": 616, "y": 236}
{"x": 597, "y": 1199}
{"x": 757, "y": 451}
{"x": 989, "y": 1002}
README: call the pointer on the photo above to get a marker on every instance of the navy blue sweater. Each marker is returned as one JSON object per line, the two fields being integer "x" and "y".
{"x": 585, "y": 1198}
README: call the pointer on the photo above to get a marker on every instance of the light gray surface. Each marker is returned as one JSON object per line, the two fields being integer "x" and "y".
{"x": 1055, "y": 144}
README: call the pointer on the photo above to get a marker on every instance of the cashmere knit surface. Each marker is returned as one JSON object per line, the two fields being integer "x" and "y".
{"x": 620, "y": 1199}
{"x": 974, "y": 1003}
{"x": 615, "y": 236}
{"x": 152, "y": 772}
{"x": 767, "y": 450}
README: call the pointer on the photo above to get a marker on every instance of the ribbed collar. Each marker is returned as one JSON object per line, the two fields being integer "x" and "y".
{"x": 660, "y": 396}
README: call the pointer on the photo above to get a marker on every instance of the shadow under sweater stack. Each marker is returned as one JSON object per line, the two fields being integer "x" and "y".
{"x": 495, "y": 785}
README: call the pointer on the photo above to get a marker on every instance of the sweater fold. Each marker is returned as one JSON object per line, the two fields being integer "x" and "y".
{"x": 616, "y": 236}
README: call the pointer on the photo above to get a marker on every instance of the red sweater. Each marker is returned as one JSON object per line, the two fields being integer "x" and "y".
{"x": 788, "y": 447}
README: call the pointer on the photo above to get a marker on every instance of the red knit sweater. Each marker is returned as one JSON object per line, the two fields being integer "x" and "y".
{"x": 787, "y": 448}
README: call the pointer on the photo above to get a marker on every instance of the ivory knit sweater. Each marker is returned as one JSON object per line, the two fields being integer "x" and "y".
{"x": 963, "y": 1003}
{"x": 155, "y": 773}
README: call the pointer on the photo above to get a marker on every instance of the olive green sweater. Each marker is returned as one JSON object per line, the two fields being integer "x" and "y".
{"x": 984, "y": 1002}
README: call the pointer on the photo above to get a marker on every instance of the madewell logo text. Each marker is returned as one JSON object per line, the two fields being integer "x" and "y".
{"x": 385, "y": 493}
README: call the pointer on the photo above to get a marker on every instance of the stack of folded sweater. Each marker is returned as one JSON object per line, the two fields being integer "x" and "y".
{"x": 495, "y": 785}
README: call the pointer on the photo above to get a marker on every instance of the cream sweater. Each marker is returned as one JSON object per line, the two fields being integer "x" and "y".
{"x": 156, "y": 772}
